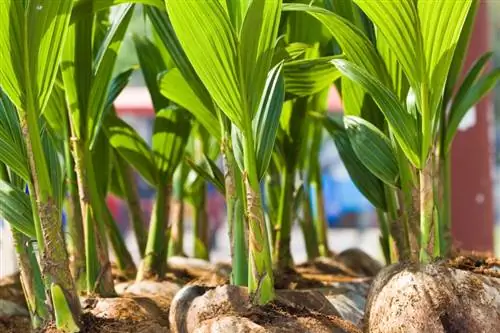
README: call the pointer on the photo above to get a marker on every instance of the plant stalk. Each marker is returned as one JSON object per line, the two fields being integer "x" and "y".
{"x": 426, "y": 213}
{"x": 76, "y": 244}
{"x": 154, "y": 263}
{"x": 31, "y": 280}
{"x": 318, "y": 210}
{"x": 30, "y": 275}
{"x": 99, "y": 278}
{"x": 200, "y": 224}
{"x": 282, "y": 256}
{"x": 397, "y": 225}
{"x": 306, "y": 224}
{"x": 260, "y": 279}
{"x": 385, "y": 237}
{"x": 235, "y": 215}
{"x": 123, "y": 257}
{"x": 52, "y": 247}
{"x": 129, "y": 186}
{"x": 176, "y": 242}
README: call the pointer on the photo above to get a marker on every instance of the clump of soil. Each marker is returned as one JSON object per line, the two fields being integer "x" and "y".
{"x": 433, "y": 298}
{"x": 478, "y": 264}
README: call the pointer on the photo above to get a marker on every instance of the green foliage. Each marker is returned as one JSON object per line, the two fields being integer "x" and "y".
{"x": 373, "y": 148}
{"x": 16, "y": 209}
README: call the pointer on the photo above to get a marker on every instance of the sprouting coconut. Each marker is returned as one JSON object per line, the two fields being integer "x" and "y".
{"x": 433, "y": 298}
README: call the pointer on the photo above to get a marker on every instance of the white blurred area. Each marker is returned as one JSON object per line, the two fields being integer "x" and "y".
{"x": 338, "y": 239}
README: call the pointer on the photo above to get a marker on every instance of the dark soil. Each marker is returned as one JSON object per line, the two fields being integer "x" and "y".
{"x": 15, "y": 325}
{"x": 478, "y": 264}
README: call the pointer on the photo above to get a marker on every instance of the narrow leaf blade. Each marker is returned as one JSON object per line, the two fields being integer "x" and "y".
{"x": 16, "y": 209}
{"x": 210, "y": 43}
{"x": 401, "y": 122}
{"x": 267, "y": 119}
{"x": 131, "y": 147}
{"x": 373, "y": 149}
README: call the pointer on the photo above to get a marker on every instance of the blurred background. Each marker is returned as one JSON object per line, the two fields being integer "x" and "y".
{"x": 351, "y": 218}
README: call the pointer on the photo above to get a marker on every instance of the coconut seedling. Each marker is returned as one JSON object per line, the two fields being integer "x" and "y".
{"x": 234, "y": 71}
{"x": 398, "y": 135}
{"x": 157, "y": 164}
{"x": 183, "y": 86}
{"x": 17, "y": 210}
{"x": 308, "y": 76}
{"x": 87, "y": 68}
{"x": 30, "y": 61}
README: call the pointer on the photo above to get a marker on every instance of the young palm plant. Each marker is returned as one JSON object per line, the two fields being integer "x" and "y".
{"x": 87, "y": 67}
{"x": 232, "y": 60}
{"x": 16, "y": 210}
{"x": 157, "y": 164}
{"x": 410, "y": 79}
{"x": 27, "y": 75}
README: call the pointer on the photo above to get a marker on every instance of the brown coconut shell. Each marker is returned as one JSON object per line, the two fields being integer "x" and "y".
{"x": 433, "y": 298}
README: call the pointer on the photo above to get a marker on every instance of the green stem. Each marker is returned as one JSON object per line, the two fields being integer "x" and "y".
{"x": 397, "y": 225}
{"x": 154, "y": 263}
{"x": 176, "y": 243}
{"x": 54, "y": 258}
{"x": 260, "y": 280}
{"x": 124, "y": 259}
{"x": 272, "y": 195}
{"x": 30, "y": 275}
{"x": 131, "y": 192}
{"x": 318, "y": 211}
{"x": 31, "y": 280}
{"x": 409, "y": 203}
{"x": 282, "y": 255}
{"x": 76, "y": 244}
{"x": 307, "y": 225}
{"x": 426, "y": 213}
{"x": 200, "y": 224}
{"x": 385, "y": 241}
{"x": 99, "y": 278}
{"x": 235, "y": 215}
{"x": 445, "y": 220}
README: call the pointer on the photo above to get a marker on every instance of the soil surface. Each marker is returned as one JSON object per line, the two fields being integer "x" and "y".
{"x": 477, "y": 263}
{"x": 144, "y": 307}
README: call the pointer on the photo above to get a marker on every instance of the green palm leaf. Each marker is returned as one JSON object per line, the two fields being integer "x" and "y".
{"x": 103, "y": 69}
{"x": 440, "y": 38}
{"x": 373, "y": 149}
{"x": 371, "y": 187}
{"x": 470, "y": 98}
{"x": 16, "y": 209}
{"x": 39, "y": 30}
{"x": 398, "y": 22}
{"x": 402, "y": 123}
{"x": 175, "y": 87}
{"x": 256, "y": 48}
{"x": 12, "y": 148}
{"x": 171, "y": 131}
{"x": 266, "y": 122}
{"x": 309, "y": 76}
{"x": 209, "y": 41}
{"x": 83, "y": 8}
{"x": 152, "y": 63}
{"x": 131, "y": 147}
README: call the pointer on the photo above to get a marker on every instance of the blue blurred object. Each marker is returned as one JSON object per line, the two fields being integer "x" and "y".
{"x": 340, "y": 195}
